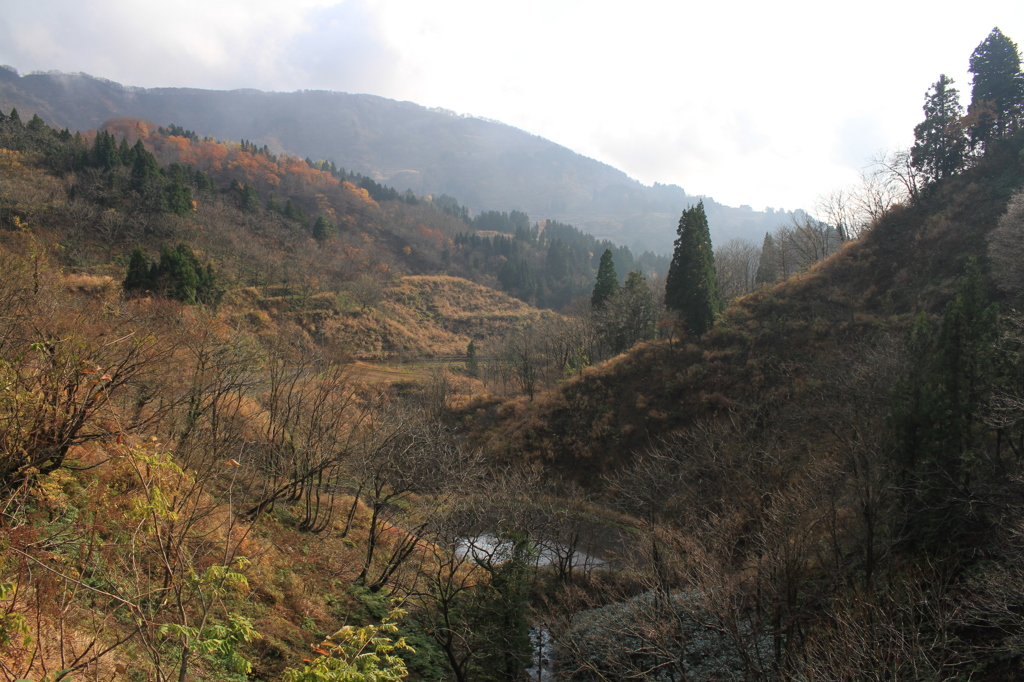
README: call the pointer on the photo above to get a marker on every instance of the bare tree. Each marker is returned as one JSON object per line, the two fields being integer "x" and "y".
{"x": 736, "y": 264}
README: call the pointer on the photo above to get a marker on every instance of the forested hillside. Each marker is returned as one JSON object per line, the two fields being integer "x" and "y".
{"x": 487, "y": 165}
{"x": 255, "y": 425}
{"x": 829, "y": 478}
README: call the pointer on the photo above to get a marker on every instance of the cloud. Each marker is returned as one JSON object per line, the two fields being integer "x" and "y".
{"x": 857, "y": 139}
{"x": 654, "y": 155}
{"x": 223, "y": 44}
{"x": 343, "y": 48}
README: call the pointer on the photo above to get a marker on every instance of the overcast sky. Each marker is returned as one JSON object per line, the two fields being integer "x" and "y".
{"x": 759, "y": 103}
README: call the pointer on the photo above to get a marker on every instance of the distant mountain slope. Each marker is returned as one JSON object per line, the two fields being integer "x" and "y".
{"x": 484, "y": 164}
{"x": 777, "y": 346}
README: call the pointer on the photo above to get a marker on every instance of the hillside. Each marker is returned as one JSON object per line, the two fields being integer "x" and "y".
{"x": 243, "y": 435}
{"x": 777, "y": 346}
{"x": 835, "y": 465}
{"x": 484, "y": 164}
{"x": 412, "y": 318}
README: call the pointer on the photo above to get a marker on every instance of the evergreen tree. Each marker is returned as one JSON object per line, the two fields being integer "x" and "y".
{"x": 180, "y": 275}
{"x": 179, "y": 198}
{"x": 104, "y": 152}
{"x": 249, "y": 201}
{"x": 518, "y": 278}
{"x": 145, "y": 169}
{"x": 940, "y": 145}
{"x": 272, "y": 204}
{"x": 126, "y": 153}
{"x": 503, "y": 645}
{"x": 323, "y": 229}
{"x": 997, "y": 93}
{"x": 177, "y": 273}
{"x": 36, "y": 124}
{"x": 691, "y": 287}
{"x": 607, "y": 282}
{"x": 293, "y": 212}
{"x": 630, "y": 315}
{"x": 472, "y": 364}
{"x": 137, "y": 278}
{"x": 768, "y": 264}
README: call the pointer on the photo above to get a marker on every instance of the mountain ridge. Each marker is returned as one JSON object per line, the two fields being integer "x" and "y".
{"x": 486, "y": 165}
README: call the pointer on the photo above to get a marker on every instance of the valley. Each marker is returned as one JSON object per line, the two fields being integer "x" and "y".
{"x": 266, "y": 418}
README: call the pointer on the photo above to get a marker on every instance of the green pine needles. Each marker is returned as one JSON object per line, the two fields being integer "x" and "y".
{"x": 178, "y": 275}
{"x": 691, "y": 288}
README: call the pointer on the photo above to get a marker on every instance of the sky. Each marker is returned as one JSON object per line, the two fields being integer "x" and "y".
{"x": 757, "y": 103}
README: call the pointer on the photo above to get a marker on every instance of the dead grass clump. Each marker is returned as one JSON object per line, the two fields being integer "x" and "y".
{"x": 102, "y": 286}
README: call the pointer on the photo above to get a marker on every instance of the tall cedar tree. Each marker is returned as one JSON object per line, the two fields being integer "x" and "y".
{"x": 768, "y": 266}
{"x": 691, "y": 287}
{"x": 607, "y": 282}
{"x": 940, "y": 145}
{"x": 997, "y": 95}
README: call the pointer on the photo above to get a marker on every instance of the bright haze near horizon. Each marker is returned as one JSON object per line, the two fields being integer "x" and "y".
{"x": 764, "y": 104}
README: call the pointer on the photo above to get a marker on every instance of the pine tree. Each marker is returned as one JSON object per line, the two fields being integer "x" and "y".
{"x": 607, "y": 282}
{"x": 294, "y": 212}
{"x": 249, "y": 201}
{"x": 940, "y": 140}
{"x": 138, "y": 275}
{"x": 272, "y": 204}
{"x": 691, "y": 287}
{"x": 145, "y": 169}
{"x": 179, "y": 198}
{"x": 126, "y": 153}
{"x": 997, "y": 93}
{"x": 472, "y": 364}
{"x": 631, "y": 315}
{"x": 768, "y": 264}
{"x": 323, "y": 229}
{"x": 36, "y": 124}
{"x": 180, "y": 275}
{"x": 104, "y": 152}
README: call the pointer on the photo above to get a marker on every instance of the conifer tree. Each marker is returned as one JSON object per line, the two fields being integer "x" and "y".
{"x": 145, "y": 169}
{"x": 272, "y": 204}
{"x": 607, "y": 282}
{"x": 104, "y": 152}
{"x": 138, "y": 275}
{"x": 294, "y": 212}
{"x": 940, "y": 145}
{"x": 126, "y": 152}
{"x": 691, "y": 287}
{"x": 768, "y": 264}
{"x": 472, "y": 364}
{"x": 323, "y": 229}
{"x": 997, "y": 93}
{"x": 250, "y": 199}
{"x": 36, "y": 124}
{"x": 179, "y": 198}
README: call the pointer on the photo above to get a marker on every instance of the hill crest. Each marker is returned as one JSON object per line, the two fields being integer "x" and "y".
{"x": 486, "y": 165}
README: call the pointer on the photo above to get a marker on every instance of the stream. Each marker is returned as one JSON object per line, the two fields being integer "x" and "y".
{"x": 485, "y": 547}
{"x": 488, "y": 547}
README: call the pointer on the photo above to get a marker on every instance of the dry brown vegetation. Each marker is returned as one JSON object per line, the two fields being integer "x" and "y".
{"x": 176, "y": 480}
